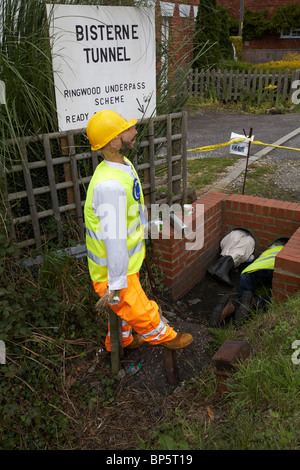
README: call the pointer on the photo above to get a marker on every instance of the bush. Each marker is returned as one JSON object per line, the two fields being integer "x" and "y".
{"x": 283, "y": 65}
{"x": 238, "y": 43}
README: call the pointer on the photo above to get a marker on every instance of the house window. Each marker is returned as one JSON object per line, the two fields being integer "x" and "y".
{"x": 290, "y": 33}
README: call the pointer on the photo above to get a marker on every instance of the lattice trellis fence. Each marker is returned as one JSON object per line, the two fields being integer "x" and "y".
{"x": 45, "y": 178}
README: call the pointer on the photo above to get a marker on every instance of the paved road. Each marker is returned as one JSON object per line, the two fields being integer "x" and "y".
{"x": 215, "y": 127}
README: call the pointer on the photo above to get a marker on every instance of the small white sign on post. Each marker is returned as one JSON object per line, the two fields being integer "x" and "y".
{"x": 239, "y": 148}
{"x": 103, "y": 58}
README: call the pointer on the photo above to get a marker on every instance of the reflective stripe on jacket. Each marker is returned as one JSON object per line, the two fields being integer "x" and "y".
{"x": 265, "y": 261}
{"x": 96, "y": 252}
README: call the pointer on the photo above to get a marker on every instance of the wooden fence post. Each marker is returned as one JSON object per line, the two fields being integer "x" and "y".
{"x": 52, "y": 184}
{"x": 68, "y": 171}
{"x": 30, "y": 195}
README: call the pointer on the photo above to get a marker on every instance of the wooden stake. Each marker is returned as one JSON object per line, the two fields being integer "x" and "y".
{"x": 171, "y": 366}
{"x": 248, "y": 154}
{"x": 115, "y": 326}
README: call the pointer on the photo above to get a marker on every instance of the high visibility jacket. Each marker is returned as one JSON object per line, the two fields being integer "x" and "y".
{"x": 96, "y": 252}
{"x": 265, "y": 261}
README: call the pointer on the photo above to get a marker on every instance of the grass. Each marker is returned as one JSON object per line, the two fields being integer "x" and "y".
{"x": 205, "y": 171}
{"x": 55, "y": 386}
{"x": 263, "y": 179}
{"x": 261, "y": 410}
{"x": 261, "y": 106}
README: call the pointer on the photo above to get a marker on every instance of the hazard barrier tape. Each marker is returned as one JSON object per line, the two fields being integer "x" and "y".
{"x": 233, "y": 141}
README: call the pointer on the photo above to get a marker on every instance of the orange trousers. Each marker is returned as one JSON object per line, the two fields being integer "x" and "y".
{"x": 138, "y": 313}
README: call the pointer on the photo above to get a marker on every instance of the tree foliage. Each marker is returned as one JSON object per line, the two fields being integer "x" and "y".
{"x": 286, "y": 17}
{"x": 211, "y": 34}
{"x": 255, "y": 24}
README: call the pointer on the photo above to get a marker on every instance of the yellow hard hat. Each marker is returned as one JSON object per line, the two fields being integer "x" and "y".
{"x": 104, "y": 126}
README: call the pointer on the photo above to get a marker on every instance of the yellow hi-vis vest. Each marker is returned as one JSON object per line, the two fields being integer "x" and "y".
{"x": 265, "y": 261}
{"x": 96, "y": 252}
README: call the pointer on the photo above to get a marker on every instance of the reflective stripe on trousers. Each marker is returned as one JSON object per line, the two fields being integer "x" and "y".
{"x": 138, "y": 313}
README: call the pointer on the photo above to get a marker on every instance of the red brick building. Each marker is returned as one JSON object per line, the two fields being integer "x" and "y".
{"x": 175, "y": 21}
{"x": 271, "y": 46}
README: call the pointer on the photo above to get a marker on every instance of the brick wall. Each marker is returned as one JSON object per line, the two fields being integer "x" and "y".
{"x": 181, "y": 32}
{"x": 265, "y": 219}
{"x": 254, "y": 5}
{"x": 184, "y": 268}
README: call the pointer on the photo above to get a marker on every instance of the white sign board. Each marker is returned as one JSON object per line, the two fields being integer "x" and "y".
{"x": 103, "y": 58}
{"x": 239, "y": 148}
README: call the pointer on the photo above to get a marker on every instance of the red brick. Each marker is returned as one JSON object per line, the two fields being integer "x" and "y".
{"x": 243, "y": 206}
{"x": 255, "y": 200}
{"x": 229, "y": 202}
{"x": 287, "y": 278}
{"x": 278, "y": 285}
{"x": 275, "y": 207}
{"x": 287, "y": 264}
{"x": 266, "y": 220}
{"x": 296, "y": 215}
{"x": 284, "y": 287}
{"x": 292, "y": 252}
{"x": 259, "y": 206}
{"x": 291, "y": 209}
{"x": 282, "y": 209}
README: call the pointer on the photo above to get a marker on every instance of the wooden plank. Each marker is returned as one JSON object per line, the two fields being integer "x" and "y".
{"x": 267, "y": 78}
{"x": 169, "y": 157}
{"x": 218, "y": 84}
{"x": 152, "y": 162}
{"x": 225, "y": 94}
{"x": 30, "y": 195}
{"x": 115, "y": 328}
{"x": 201, "y": 91}
{"x": 230, "y": 84}
{"x": 171, "y": 366}
{"x": 248, "y": 82}
{"x": 196, "y": 82}
{"x": 191, "y": 81}
{"x": 236, "y": 85}
{"x": 260, "y": 80}
{"x": 285, "y": 85}
{"x": 184, "y": 157}
{"x": 6, "y": 202}
{"x": 273, "y": 78}
{"x": 254, "y": 82}
{"x": 52, "y": 184}
{"x": 75, "y": 179}
{"x": 95, "y": 160}
{"x": 67, "y": 170}
{"x": 176, "y": 165}
{"x": 279, "y": 80}
{"x": 295, "y": 76}
{"x": 207, "y": 83}
{"x": 213, "y": 83}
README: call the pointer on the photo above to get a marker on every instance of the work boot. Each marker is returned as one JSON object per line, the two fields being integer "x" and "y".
{"x": 223, "y": 310}
{"x": 222, "y": 272}
{"x": 181, "y": 340}
{"x": 136, "y": 342}
{"x": 247, "y": 303}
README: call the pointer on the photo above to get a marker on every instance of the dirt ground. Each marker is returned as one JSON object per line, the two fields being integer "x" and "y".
{"x": 142, "y": 401}
{"x": 189, "y": 314}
